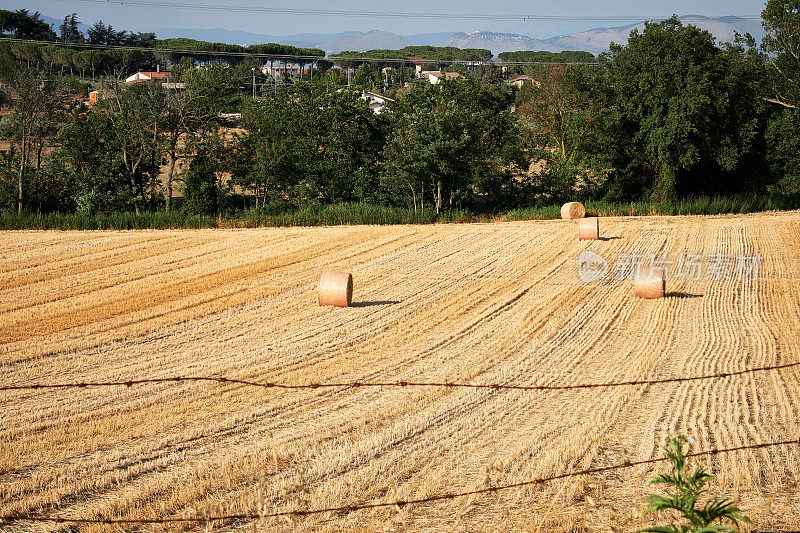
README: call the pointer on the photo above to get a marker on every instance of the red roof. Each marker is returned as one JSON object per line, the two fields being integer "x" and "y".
{"x": 155, "y": 75}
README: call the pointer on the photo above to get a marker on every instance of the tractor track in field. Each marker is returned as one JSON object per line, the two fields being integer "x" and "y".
{"x": 483, "y": 303}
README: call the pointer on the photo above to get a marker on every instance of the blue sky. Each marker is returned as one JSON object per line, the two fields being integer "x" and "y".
{"x": 140, "y": 18}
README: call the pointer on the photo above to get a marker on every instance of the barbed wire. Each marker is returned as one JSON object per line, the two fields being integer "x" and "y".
{"x": 384, "y": 384}
{"x": 394, "y": 503}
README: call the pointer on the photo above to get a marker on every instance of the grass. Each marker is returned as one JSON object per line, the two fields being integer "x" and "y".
{"x": 360, "y": 213}
{"x": 703, "y": 205}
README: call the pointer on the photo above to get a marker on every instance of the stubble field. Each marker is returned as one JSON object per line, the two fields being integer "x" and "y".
{"x": 476, "y": 303}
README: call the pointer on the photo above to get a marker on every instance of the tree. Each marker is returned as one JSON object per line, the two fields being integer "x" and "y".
{"x": 310, "y": 143}
{"x": 680, "y": 111}
{"x": 781, "y": 21}
{"x": 783, "y": 156}
{"x": 68, "y": 31}
{"x": 202, "y": 188}
{"x": 99, "y": 33}
{"x": 135, "y": 114}
{"x": 781, "y": 44}
{"x": 217, "y": 86}
{"x": 89, "y": 150}
{"x": 35, "y": 110}
{"x": 22, "y": 25}
{"x": 183, "y": 116}
{"x": 450, "y": 141}
{"x": 564, "y": 113}
{"x": 367, "y": 77}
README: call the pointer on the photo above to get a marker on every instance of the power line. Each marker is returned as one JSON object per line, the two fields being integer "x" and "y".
{"x": 395, "y": 503}
{"x": 386, "y": 384}
{"x": 380, "y": 14}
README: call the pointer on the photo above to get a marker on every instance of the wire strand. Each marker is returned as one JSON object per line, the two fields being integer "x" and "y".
{"x": 384, "y": 384}
{"x": 394, "y": 503}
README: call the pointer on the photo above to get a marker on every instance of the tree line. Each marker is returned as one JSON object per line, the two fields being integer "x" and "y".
{"x": 97, "y": 62}
{"x": 669, "y": 115}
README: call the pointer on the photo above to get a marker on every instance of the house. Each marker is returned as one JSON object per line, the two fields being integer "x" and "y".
{"x": 147, "y": 76}
{"x": 435, "y": 76}
{"x": 419, "y": 65}
{"x": 279, "y": 71}
{"x": 375, "y": 101}
{"x": 519, "y": 81}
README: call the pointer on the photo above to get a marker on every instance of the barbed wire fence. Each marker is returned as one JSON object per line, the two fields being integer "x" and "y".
{"x": 387, "y": 384}
{"x": 398, "y": 503}
{"x": 394, "y": 503}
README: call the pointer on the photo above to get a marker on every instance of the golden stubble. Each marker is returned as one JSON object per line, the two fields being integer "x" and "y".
{"x": 482, "y": 303}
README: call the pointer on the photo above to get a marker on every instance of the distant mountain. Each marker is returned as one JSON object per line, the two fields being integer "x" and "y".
{"x": 521, "y": 37}
{"x": 546, "y": 29}
{"x": 244, "y": 38}
{"x": 56, "y": 23}
{"x": 428, "y": 39}
{"x": 371, "y": 40}
{"x": 598, "y": 39}
{"x": 499, "y": 42}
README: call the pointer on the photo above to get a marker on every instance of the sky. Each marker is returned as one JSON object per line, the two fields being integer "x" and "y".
{"x": 145, "y": 18}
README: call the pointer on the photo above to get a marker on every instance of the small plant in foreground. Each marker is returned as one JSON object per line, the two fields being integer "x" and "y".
{"x": 684, "y": 500}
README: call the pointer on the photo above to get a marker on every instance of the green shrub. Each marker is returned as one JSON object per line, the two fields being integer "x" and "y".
{"x": 687, "y": 489}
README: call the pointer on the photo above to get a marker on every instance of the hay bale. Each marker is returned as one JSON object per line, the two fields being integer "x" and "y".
{"x": 573, "y": 210}
{"x": 336, "y": 288}
{"x": 589, "y": 229}
{"x": 650, "y": 282}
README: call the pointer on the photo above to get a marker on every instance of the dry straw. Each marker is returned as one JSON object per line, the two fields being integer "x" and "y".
{"x": 589, "y": 229}
{"x": 336, "y": 289}
{"x": 394, "y": 503}
{"x": 572, "y": 210}
{"x": 650, "y": 282}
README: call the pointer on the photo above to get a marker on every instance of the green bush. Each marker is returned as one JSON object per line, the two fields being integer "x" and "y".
{"x": 688, "y": 487}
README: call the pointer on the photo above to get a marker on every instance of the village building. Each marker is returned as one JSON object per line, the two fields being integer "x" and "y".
{"x": 147, "y": 76}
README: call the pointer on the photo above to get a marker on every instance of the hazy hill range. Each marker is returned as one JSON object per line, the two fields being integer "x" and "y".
{"x": 371, "y": 40}
{"x": 595, "y": 40}
{"x": 501, "y": 42}
{"x": 244, "y": 38}
{"x": 598, "y": 39}
{"x": 524, "y": 36}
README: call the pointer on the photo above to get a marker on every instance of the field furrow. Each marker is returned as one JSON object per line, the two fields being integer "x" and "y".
{"x": 497, "y": 303}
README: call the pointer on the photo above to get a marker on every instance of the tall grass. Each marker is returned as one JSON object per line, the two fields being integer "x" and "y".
{"x": 359, "y": 213}
{"x": 703, "y": 205}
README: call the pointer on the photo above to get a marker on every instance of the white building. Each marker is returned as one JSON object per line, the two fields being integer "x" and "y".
{"x": 376, "y": 101}
{"x": 436, "y": 76}
{"x": 147, "y": 76}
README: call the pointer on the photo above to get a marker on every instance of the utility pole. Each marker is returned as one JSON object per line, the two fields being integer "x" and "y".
{"x": 254, "y": 82}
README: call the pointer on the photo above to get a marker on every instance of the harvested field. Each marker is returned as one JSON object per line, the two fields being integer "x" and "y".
{"x": 481, "y": 303}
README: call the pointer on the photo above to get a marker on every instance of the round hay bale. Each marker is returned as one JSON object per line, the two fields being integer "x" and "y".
{"x": 589, "y": 229}
{"x": 336, "y": 288}
{"x": 573, "y": 210}
{"x": 650, "y": 282}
